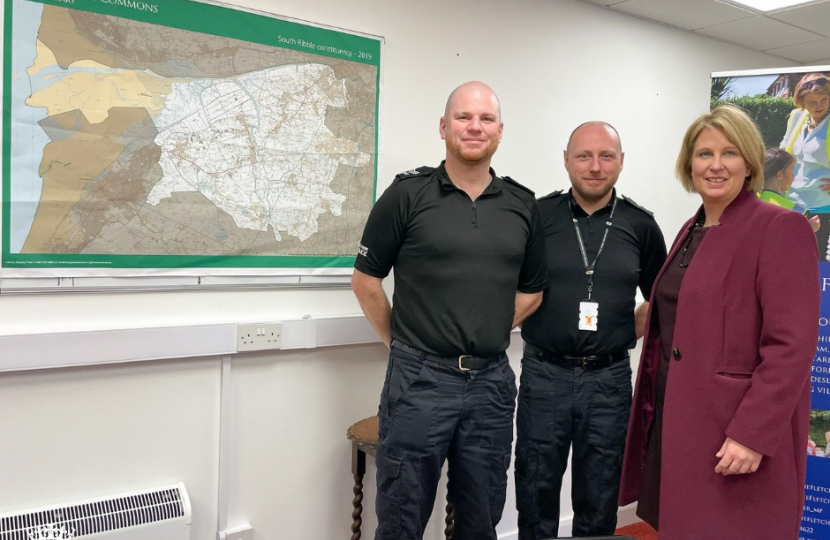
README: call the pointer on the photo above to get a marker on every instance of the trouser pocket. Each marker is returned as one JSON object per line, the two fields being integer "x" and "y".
{"x": 498, "y": 483}
{"x": 526, "y": 501}
{"x": 388, "y": 501}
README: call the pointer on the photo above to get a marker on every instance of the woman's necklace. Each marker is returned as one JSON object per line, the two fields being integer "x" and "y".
{"x": 701, "y": 219}
{"x": 813, "y": 122}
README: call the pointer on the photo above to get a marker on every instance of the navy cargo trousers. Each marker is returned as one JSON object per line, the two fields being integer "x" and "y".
{"x": 560, "y": 407}
{"x": 429, "y": 413}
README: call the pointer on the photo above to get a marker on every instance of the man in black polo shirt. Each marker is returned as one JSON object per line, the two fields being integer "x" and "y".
{"x": 468, "y": 251}
{"x": 576, "y": 376}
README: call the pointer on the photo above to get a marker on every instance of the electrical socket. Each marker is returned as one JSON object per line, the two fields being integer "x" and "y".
{"x": 258, "y": 337}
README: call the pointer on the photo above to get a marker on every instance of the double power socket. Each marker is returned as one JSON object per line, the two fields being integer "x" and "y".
{"x": 258, "y": 337}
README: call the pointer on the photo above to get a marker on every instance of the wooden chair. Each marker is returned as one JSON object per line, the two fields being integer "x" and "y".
{"x": 364, "y": 437}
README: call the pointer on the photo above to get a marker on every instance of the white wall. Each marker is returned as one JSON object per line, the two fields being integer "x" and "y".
{"x": 81, "y": 432}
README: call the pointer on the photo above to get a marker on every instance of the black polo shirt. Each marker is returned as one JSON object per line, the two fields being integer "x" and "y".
{"x": 632, "y": 257}
{"x": 458, "y": 263}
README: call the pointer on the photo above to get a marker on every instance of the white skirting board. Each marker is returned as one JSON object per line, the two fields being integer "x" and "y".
{"x": 51, "y": 350}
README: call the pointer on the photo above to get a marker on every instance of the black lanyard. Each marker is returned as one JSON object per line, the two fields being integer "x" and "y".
{"x": 589, "y": 268}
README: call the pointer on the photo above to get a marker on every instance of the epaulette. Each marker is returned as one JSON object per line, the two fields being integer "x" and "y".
{"x": 551, "y": 195}
{"x": 630, "y": 201}
{"x": 412, "y": 173}
{"x": 518, "y": 185}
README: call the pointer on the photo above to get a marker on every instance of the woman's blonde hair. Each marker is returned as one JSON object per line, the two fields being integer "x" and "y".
{"x": 741, "y": 131}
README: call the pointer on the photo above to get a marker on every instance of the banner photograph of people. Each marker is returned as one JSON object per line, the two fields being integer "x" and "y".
{"x": 791, "y": 106}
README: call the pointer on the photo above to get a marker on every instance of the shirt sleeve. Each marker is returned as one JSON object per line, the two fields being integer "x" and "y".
{"x": 384, "y": 233}
{"x": 652, "y": 257}
{"x": 534, "y": 274}
{"x": 785, "y": 142}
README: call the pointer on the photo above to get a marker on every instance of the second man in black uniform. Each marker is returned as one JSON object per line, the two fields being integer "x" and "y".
{"x": 576, "y": 376}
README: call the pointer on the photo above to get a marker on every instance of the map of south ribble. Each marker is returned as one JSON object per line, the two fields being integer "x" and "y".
{"x": 169, "y": 134}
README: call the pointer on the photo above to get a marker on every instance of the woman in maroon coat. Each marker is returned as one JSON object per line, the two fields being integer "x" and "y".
{"x": 715, "y": 447}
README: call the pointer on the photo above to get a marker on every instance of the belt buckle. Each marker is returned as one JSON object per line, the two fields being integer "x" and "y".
{"x": 585, "y": 360}
{"x": 461, "y": 361}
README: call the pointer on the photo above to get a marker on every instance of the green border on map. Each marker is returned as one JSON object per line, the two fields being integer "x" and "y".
{"x": 208, "y": 19}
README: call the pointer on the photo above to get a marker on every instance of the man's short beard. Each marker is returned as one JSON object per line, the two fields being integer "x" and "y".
{"x": 592, "y": 196}
{"x": 474, "y": 156}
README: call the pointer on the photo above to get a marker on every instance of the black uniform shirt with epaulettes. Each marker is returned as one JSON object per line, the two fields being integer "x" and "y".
{"x": 632, "y": 257}
{"x": 458, "y": 262}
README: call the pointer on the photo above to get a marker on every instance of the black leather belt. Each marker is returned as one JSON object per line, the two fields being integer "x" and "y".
{"x": 464, "y": 362}
{"x": 585, "y": 362}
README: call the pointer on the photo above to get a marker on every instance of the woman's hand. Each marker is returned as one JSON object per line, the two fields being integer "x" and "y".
{"x": 824, "y": 184}
{"x": 737, "y": 459}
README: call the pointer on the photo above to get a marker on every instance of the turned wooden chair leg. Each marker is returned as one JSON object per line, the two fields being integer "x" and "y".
{"x": 358, "y": 470}
{"x": 449, "y": 521}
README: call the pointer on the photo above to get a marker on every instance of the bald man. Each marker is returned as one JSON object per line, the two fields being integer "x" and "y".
{"x": 576, "y": 375}
{"x": 468, "y": 252}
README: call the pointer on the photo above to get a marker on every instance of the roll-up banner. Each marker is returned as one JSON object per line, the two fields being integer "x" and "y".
{"x": 790, "y": 122}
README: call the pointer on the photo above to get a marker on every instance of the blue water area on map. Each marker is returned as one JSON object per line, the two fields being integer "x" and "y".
{"x": 27, "y": 139}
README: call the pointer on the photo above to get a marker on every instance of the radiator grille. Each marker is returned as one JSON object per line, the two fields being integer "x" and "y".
{"x": 96, "y": 517}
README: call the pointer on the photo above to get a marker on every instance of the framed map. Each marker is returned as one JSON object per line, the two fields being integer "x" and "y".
{"x": 171, "y": 134}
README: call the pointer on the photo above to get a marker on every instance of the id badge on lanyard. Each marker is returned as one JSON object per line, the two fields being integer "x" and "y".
{"x": 589, "y": 309}
{"x": 588, "y": 315}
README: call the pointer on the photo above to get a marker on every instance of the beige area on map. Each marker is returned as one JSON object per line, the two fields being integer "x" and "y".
{"x": 71, "y": 171}
{"x": 110, "y": 214}
{"x": 43, "y": 59}
{"x": 94, "y": 94}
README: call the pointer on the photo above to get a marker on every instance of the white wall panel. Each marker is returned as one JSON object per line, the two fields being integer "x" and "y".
{"x": 79, "y": 433}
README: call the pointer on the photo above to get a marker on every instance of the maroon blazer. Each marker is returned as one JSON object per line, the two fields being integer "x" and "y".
{"x": 743, "y": 345}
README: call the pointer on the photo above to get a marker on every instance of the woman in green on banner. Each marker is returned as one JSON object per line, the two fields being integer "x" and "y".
{"x": 778, "y": 177}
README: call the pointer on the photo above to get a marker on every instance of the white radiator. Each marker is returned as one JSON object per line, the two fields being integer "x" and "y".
{"x": 152, "y": 514}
